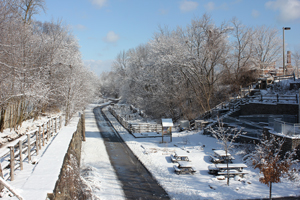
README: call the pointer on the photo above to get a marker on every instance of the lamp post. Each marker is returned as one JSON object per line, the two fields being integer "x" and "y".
{"x": 284, "y": 28}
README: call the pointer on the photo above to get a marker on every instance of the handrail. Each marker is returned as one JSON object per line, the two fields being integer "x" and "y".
{"x": 22, "y": 148}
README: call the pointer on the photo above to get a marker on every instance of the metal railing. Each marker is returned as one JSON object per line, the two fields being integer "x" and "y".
{"x": 285, "y": 128}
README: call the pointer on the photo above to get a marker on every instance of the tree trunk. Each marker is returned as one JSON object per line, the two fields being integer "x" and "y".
{"x": 2, "y": 119}
{"x": 227, "y": 160}
{"x": 270, "y": 190}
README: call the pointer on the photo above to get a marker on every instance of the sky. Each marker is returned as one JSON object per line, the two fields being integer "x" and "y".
{"x": 104, "y": 28}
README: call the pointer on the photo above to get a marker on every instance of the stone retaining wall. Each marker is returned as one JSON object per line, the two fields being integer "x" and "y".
{"x": 68, "y": 185}
{"x": 275, "y": 109}
{"x": 290, "y": 144}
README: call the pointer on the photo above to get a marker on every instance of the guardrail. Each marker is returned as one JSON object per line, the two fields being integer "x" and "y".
{"x": 135, "y": 128}
{"x": 23, "y": 148}
{"x": 288, "y": 129}
{"x": 275, "y": 98}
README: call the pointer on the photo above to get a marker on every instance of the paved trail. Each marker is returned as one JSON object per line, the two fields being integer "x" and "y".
{"x": 137, "y": 182}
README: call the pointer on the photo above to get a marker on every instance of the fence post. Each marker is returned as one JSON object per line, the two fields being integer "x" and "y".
{"x": 83, "y": 125}
{"x": 296, "y": 98}
{"x": 39, "y": 137}
{"x": 52, "y": 126}
{"x": 1, "y": 174}
{"x": 28, "y": 147}
{"x": 48, "y": 130}
{"x": 43, "y": 135}
{"x": 37, "y": 142}
{"x": 60, "y": 122}
{"x": 12, "y": 163}
{"x": 55, "y": 122}
{"x": 21, "y": 154}
{"x": 249, "y": 90}
{"x": 277, "y": 98}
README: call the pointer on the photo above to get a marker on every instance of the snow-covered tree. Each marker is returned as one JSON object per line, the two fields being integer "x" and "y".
{"x": 268, "y": 158}
{"x": 226, "y": 136}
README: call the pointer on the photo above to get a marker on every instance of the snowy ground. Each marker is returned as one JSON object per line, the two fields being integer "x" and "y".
{"x": 101, "y": 178}
{"x": 156, "y": 157}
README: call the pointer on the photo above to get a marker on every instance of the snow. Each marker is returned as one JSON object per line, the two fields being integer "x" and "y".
{"x": 36, "y": 180}
{"x": 167, "y": 122}
{"x": 156, "y": 157}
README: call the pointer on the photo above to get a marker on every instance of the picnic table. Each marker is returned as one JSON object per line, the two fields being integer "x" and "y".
{"x": 221, "y": 169}
{"x": 184, "y": 168}
{"x": 219, "y": 156}
{"x": 178, "y": 157}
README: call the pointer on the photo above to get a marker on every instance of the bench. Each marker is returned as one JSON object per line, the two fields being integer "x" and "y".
{"x": 215, "y": 159}
{"x": 232, "y": 173}
{"x": 185, "y": 170}
{"x": 177, "y": 170}
{"x": 173, "y": 159}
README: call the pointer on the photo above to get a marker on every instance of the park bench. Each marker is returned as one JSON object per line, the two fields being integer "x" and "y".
{"x": 232, "y": 173}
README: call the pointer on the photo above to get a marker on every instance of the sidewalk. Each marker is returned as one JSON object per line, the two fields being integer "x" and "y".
{"x": 35, "y": 181}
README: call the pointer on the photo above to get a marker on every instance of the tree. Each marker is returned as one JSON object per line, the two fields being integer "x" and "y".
{"x": 267, "y": 46}
{"x": 240, "y": 60}
{"x": 30, "y": 8}
{"x": 226, "y": 136}
{"x": 268, "y": 158}
{"x": 296, "y": 56}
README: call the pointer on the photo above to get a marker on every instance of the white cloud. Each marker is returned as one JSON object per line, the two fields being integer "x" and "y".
{"x": 111, "y": 37}
{"x": 210, "y": 6}
{"x": 186, "y": 6}
{"x": 255, "y": 13}
{"x": 99, "y": 3}
{"x": 289, "y": 10}
{"x": 99, "y": 66}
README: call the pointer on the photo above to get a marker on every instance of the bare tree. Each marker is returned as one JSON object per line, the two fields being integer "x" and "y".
{"x": 240, "y": 60}
{"x": 30, "y": 8}
{"x": 296, "y": 56}
{"x": 267, "y": 46}
{"x": 226, "y": 136}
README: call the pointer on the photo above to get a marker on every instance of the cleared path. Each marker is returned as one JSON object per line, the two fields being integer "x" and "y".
{"x": 137, "y": 182}
{"x": 96, "y": 168}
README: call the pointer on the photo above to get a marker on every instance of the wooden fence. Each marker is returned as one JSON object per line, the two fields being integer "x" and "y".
{"x": 24, "y": 147}
{"x": 136, "y": 128}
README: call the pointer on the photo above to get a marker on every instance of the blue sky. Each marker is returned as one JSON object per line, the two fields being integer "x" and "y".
{"x": 106, "y": 27}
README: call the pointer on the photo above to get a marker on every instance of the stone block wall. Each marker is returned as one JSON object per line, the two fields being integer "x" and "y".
{"x": 68, "y": 186}
{"x": 290, "y": 144}
{"x": 275, "y": 109}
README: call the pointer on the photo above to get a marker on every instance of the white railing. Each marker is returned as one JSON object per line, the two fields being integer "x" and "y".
{"x": 289, "y": 129}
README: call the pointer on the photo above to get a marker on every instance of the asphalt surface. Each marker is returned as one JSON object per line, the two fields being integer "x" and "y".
{"x": 137, "y": 181}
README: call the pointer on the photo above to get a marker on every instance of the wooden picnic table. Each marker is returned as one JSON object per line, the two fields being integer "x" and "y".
{"x": 178, "y": 157}
{"x": 221, "y": 169}
{"x": 220, "y": 156}
{"x": 184, "y": 168}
